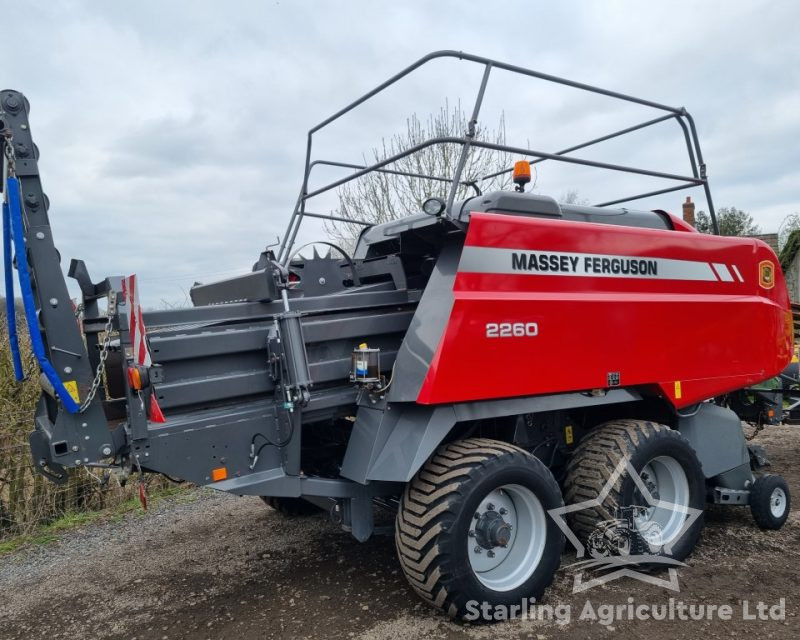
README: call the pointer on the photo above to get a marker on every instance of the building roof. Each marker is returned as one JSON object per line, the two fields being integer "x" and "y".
{"x": 770, "y": 238}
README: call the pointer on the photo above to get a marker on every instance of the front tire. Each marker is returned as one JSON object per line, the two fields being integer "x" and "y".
{"x": 770, "y": 501}
{"x": 473, "y": 527}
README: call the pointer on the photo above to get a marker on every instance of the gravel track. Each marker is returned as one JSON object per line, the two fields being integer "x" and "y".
{"x": 209, "y": 565}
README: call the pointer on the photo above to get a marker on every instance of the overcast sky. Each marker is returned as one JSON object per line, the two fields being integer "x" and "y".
{"x": 172, "y": 134}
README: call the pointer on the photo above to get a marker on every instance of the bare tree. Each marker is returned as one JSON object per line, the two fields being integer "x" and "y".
{"x": 379, "y": 197}
{"x": 573, "y": 196}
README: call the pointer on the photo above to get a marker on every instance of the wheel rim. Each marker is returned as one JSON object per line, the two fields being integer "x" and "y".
{"x": 777, "y": 502}
{"x": 511, "y": 514}
{"x": 666, "y": 481}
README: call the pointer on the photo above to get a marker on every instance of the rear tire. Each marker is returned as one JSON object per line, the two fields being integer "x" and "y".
{"x": 666, "y": 463}
{"x": 291, "y": 507}
{"x": 770, "y": 501}
{"x": 473, "y": 527}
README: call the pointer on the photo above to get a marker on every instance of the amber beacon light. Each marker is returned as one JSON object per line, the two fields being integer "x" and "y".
{"x": 522, "y": 174}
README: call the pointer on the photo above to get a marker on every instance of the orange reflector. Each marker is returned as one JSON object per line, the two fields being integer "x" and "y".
{"x": 220, "y": 473}
{"x": 155, "y": 415}
{"x": 522, "y": 172}
{"x": 134, "y": 379}
{"x": 771, "y": 413}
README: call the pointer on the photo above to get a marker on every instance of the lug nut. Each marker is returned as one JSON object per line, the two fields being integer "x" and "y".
{"x": 471, "y": 533}
{"x": 490, "y": 553}
{"x": 503, "y": 511}
{"x": 477, "y": 516}
{"x": 490, "y": 507}
{"x": 477, "y": 550}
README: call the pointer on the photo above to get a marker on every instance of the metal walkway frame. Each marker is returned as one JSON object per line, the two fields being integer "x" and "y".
{"x": 697, "y": 178}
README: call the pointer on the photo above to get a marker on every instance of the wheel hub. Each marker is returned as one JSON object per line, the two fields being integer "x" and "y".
{"x": 492, "y": 530}
{"x": 665, "y": 480}
{"x": 647, "y": 511}
{"x": 777, "y": 502}
{"x": 506, "y": 537}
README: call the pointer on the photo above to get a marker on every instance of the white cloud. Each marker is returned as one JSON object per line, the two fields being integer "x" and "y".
{"x": 172, "y": 135}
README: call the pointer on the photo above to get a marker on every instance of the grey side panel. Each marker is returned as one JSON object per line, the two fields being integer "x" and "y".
{"x": 716, "y": 435}
{"x": 191, "y": 445}
{"x": 205, "y": 365}
{"x": 416, "y": 433}
{"x": 427, "y": 326}
{"x": 391, "y": 444}
{"x": 372, "y": 428}
{"x": 266, "y": 311}
{"x": 538, "y": 404}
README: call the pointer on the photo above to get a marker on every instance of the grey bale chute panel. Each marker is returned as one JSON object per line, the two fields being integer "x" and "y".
{"x": 427, "y": 326}
{"x": 392, "y": 442}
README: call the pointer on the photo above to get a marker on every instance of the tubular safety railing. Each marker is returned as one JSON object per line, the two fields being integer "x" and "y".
{"x": 697, "y": 178}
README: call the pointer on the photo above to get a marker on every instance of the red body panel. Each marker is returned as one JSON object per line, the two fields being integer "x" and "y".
{"x": 701, "y": 313}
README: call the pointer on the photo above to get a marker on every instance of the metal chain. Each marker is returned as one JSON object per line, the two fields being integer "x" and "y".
{"x": 101, "y": 366}
{"x": 759, "y": 427}
{"x": 32, "y": 363}
{"x": 10, "y": 155}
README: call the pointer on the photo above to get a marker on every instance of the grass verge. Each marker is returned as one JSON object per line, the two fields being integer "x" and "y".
{"x": 49, "y": 533}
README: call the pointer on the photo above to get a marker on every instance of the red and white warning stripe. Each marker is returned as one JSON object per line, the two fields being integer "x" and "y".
{"x": 138, "y": 334}
{"x": 141, "y": 354}
{"x": 727, "y": 273}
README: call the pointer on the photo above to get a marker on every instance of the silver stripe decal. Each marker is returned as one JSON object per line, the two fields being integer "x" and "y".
{"x": 561, "y": 263}
{"x": 738, "y": 274}
{"x": 723, "y": 272}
